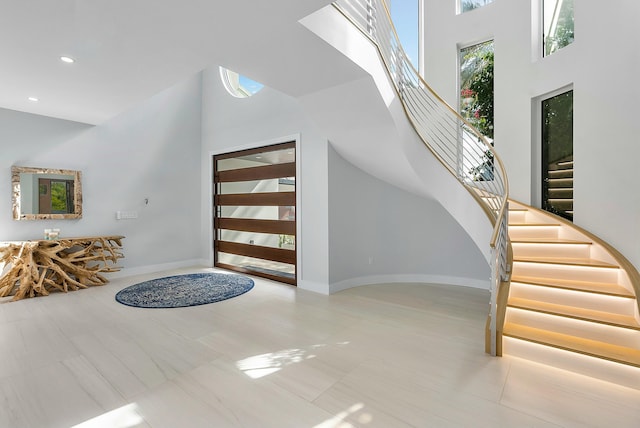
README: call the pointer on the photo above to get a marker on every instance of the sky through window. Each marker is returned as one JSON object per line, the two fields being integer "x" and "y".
{"x": 405, "y": 16}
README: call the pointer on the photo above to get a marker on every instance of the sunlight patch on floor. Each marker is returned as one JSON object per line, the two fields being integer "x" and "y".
{"x": 338, "y": 421}
{"x": 122, "y": 417}
{"x": 265, "y": 364}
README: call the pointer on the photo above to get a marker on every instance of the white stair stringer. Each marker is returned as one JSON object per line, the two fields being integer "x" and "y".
{"x": 572, "y": 300}
{"x": 367, "y": 125}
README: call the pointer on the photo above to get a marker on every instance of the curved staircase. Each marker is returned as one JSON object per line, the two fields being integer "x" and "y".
{"x": 571, "y": 294}
{"x": 571, "y": 298}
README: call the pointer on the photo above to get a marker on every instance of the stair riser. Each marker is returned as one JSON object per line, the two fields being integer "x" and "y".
{"x": 524, "y": 232}
{"x": 561, "y": 173}
{"x": 561, "y": 204}
{"x": 551, "y": 250}
{"x": 562, "y": 193}
{"x": 586, "y": 300}
{"x": 584, "y": 329}
{"x": 517, "y": 216}
{"x": 560, "y": 182}
{"x": 573, "y": 273}
{"x": 619, "y": 374}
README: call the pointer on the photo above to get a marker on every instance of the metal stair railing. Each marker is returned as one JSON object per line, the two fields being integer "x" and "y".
{"x": 453, "y": 141}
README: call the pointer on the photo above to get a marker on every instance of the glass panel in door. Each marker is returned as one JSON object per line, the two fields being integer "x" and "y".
{"x": 557, "y": 155}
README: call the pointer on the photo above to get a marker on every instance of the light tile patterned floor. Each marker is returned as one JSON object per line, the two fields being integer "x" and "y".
{"x": 376, "y": 356}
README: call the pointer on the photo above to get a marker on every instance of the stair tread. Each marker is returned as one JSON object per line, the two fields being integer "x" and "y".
{"x": 549, "y": 241}
{"x": 566, "y": 261}
{"x": 585, "y": 286}
{"x": 594, "y": 348}
{"x": 565, "y": 163}
{"x": 535, "y": 224}
{"x": 609, "y": 318}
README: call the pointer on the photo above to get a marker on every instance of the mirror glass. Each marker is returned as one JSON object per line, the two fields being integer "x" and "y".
{"x": 45, "y": 193}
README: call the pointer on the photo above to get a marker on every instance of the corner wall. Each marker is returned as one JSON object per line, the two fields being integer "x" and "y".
{"x": 151, "y": 151}
{"x": 379, "y": 233}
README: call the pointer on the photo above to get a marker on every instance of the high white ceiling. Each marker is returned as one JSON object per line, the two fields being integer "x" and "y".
{"x": 129, "y": 50}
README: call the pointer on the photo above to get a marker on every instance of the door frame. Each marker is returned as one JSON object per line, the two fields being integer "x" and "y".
{"x": 296, "y": 138}
{"x": 536, "y": 140}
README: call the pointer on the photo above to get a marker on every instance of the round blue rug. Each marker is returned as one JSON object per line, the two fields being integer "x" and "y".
{"x": 184, "y": 290}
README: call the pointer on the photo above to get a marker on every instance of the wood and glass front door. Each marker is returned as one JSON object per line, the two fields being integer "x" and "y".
{"x": 255, "y": 211}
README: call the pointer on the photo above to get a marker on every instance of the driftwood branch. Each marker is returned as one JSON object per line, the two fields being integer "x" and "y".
{"x": 34, "y": 268}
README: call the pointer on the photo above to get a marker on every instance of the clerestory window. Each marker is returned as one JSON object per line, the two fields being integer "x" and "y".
{"x": 238, "y": 85}
{"x": 467, "y": 5}
{"x": 557, "y": 25}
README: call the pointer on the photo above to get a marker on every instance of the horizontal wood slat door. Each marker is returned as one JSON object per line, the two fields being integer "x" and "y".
{"x": 277, "y": 199}
{"x": 260, "y": 226}
{"x": 258, "y": 173}
{"x": 254, "y": 212}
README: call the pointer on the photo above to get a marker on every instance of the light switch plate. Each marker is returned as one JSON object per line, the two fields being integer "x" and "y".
{"x": 126, "y": 215}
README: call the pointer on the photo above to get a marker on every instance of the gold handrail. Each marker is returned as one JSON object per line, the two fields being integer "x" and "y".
{"x": 481, "y": 138}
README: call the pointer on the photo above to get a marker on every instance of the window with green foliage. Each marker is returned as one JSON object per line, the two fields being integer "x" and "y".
{"x": 476, "y": 107}
{"x": 476, "y": 86}
{"x": 558, "y": 24}
{"x": 467, "y": 5}
{"x": 59, "y": 197}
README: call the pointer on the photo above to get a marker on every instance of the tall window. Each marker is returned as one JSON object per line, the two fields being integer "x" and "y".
{"x": 406, "y": 18}
{"x": 558, "y": 24}
{"x": 467, "y": 5}
{"x": 476, "y": 106}
{"x": 476, "y": 86}
{"x": 557, "y": 154}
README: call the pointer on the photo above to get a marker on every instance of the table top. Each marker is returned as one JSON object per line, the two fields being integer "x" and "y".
{"x": 63, "y": 238}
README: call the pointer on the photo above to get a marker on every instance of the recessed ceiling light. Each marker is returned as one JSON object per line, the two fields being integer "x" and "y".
{"x": 34, "y": 99}
{"x": 67, "y": 59}
{"x": 258, "y": 157}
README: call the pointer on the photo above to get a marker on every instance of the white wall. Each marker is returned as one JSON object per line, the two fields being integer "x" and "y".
{"x": 379, "y": 233}
{"x": 345, "y": 215}
{"x": 270, "y": 117}
{"x": 368, "y": 127}
{"x": 602, "y": 65}
{"x": 151, "y": 151}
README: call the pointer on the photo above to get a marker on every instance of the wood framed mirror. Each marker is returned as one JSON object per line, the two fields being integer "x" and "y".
{"x": 46, "y": 193}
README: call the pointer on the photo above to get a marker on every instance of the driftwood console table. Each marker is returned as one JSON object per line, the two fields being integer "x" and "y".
{"x": 34, "y": 268}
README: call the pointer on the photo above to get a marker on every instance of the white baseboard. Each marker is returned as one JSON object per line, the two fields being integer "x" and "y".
{"x": 401, "y": 278}
{"x": 316, "y": 287}
{"x": 142, "y": 270}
